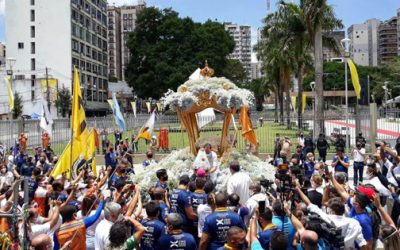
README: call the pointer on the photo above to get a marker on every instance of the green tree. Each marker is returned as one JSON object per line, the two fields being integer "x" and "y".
{"x": 319, "y": 17}
{"x": 64, "y": 101}
{"x": 18, "y": 106}
{"x": 234, "y": 71}
{"x": 261, "y": 88}
{"x": 166, "y": 49}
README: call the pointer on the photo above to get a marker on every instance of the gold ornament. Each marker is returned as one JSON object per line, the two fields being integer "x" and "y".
{"x": 207, "y": 71}
{"x": 182, "y": 88}
{"x": 226, "y": 86}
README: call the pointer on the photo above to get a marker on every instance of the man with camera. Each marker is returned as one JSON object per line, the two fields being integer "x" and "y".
{"x": 258, "y": 199}
{"x": 358, "y": 156}
{"x": 351, "y": 230}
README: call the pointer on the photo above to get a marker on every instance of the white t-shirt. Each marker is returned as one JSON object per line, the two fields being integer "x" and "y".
{"x": 396, "y": 171}
{"x": 90, "y": 231}
{"x": 358, "y": 155}
{"x": 301, "y": 141}
{"x": 351, "y": 228}
{"x": 213, "y": 160}
{"x": 239, "y": 184}
{"x": 203, "y": 210}
{"x": 379, "y": 186}
{"x": 101, "y": 234}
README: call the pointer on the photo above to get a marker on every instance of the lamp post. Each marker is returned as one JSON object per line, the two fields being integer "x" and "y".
{"x": 346, "y": 46}
{"x": 312, "y": 85}
{"x": 386, "y": 97}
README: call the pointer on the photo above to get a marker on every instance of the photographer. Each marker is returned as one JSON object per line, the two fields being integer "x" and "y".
{"x": 351, "y": 229}
{"x": 357, "y": 205}
{"x": 253, "y": 202}
{"x": 358, "y": 154}
{"x": 340, "y": 161}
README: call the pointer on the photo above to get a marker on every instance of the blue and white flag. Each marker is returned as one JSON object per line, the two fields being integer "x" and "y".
{"x": 119, "y": 119}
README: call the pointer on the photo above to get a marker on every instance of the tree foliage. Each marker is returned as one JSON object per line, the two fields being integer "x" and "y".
{"x": 165, "y": 49}
{"x": 64, "y": 101}
{"x": 18, "y": 106}
{"x": 234, "y": 71}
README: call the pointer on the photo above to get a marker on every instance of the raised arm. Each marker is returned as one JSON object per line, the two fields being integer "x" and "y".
{"x": 302, "y": 195}
{"x": 343, "y": 193}
{"x": 134, "y": 201}
{"x": 386, "y": 217}
{"x": 296, "y": 223}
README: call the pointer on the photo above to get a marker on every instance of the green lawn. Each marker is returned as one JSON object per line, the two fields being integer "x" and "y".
{"x": 178, "y": 139}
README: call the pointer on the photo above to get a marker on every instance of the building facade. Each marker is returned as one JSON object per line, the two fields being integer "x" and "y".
{"x": 114, "y": 42}
{"x": 328, "y": 53}
{"x": 242, "y": 52}
{"x": 121, "y": 22}
{"x": 388, "y": 40}
{"x": 398, "y": 31}
{"x": 58, "y": 41}
{"x": 364, "y": 42}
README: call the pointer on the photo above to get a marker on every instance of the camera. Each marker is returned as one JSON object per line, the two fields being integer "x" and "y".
{"x": 327, "y": 231}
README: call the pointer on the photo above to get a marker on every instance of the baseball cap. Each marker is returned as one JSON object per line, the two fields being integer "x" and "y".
{"x": 200, "y": 172}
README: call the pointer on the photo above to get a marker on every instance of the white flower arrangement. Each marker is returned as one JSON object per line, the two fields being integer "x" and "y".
{"x": 227, "y": 94}
{"x": 181, "y": 162}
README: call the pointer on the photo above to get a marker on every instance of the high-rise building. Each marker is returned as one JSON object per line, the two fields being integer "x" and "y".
{"x": 388, "y": 40}
{"x": 364, "y": 42}
{"x": 242, "y": 52}
{"x": 114, "y": 42}
{"x": 122, "y": 21}
{"x": 328, "y": 53}
{"x": 57, "y": 36}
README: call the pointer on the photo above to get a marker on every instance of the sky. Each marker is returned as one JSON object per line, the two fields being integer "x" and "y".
{"x": 251, "y": 12}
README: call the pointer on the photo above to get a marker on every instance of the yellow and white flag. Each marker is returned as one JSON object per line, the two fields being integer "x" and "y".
{"x": 147, "y": 129}
{"x": 159, "y": 106}
{"x": 148, "y": 107}
{"x": 354, "y": 78}
{"x": 294, "y": 103}
{"x": 134, "y": 108}
{"x": 110, "y": 102}
{"x": 10, "y": 93}
{"x": 303, "y": 104}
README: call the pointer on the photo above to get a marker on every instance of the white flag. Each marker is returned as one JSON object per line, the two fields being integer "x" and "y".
{"x": 205, "y": 117}
{"x": 134, "y": 108}
{"x": 195, "y": 75}
{"x": 46, "y": 121}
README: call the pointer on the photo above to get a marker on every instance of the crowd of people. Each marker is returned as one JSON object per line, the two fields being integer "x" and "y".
{"x": 309, "y": 204}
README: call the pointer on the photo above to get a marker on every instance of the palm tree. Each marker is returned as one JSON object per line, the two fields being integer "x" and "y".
{"x": 277, "y": 56}
{"x": 319, "y": 17}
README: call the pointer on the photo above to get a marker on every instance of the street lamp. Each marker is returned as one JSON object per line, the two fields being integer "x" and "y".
{"x": 312, "y": 85}
{"x": 346, "y": 46}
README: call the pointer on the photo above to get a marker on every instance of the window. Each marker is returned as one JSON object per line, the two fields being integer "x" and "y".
{"x": 20, "y": 45}
{"x": 32, "y": 83}
{"x": 32, "y": 31}
{"x": 32, "y": 15}
{"x": 33, "y": 64}
{"x": 32, "y": 2}
{"x": 32, "y": 95}
{"x": 33, "y": 47}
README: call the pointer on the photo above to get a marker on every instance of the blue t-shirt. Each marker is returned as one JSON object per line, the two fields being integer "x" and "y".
{"x": 179, "y": 200}
{"x": 265, "y": 236}
{"x": 161, "y": 185}
{"x": 197, "y": 198}
{"x": 113, "y": 180}
{"x": 364, "y": 219}
{"x": 111, "y": 159}
{"x": 308, "y": 168}
{"x": 154, "y": 229}
{"x": 339, "y": 167}
{"x": 180, "y": 240}
{"x": 27, "y": 169}
{"x": 287, "y": 227}
{"x": 32, "y": 186}
{"x": 217, "y": 224}
{"x": 164, "y": 211}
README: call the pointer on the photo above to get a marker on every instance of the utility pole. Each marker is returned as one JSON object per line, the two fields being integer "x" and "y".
{"x": 47, "y": 89}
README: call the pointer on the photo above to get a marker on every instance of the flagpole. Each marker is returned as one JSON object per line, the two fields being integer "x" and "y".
{"x": 72, "y": 129}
